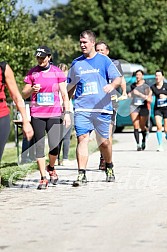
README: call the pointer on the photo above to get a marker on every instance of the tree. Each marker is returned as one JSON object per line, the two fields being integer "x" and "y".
{"x": 21, "y": 34}
{"x": 136, "y": 33}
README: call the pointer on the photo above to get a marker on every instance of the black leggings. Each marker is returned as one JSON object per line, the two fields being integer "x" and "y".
{"x": 4, "y": 132}
{"x": 52, "y": 126}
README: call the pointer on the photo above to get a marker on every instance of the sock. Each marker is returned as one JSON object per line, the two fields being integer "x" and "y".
{"x": 144, "y": 133}
{"x": 80, "y": 171}
{"x": 136, "y": 134}
{"x": 109, "y": 165}
{"x": 159, "y": 137}
{"x": 43, "y": 177}
{"x": 51, "y": 168}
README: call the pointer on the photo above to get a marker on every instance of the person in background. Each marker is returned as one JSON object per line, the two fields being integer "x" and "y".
{"x": 92, "y": 76}
{"x": 43, "y": 83}
{"x": 159, "y": 90}
{"x": 66, "y": 134}
{"x": 139, "y": 108}
{"x": 10, "y": 84}
{"x": 103, "y": 48}
{"x": 28, "y": 147}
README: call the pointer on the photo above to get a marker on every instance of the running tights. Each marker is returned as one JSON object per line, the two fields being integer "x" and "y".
{"x": 4, "y": 132}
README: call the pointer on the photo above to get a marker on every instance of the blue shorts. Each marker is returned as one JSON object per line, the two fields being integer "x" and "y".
{"x": 85, "y": 122}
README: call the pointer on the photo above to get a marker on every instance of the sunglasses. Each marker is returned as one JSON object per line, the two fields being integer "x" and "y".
{"x": 39, "y": 57}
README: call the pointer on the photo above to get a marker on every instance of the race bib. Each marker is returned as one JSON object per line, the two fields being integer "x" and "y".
{"x": 138, "y": 101}
{"x": 89, "y": 88}
{"x": 45, "y": 99}
{"x": 162, "y": 102}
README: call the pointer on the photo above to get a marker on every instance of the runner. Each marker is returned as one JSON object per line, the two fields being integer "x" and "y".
{"x": 94, "y": 76}
{"x": 7, "y": 80}
{"x": 139, "y": 108}
{"x": 159, "y": 89}
{"x": 43, "y": 84}
{"x": 103, "y": 48}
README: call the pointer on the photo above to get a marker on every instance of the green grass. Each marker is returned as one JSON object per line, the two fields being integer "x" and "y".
{"x": 9, "y": 169}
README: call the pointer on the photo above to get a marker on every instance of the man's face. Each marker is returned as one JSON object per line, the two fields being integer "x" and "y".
{"x": 159, "y": 77}
{"x": 139, "y": 76}
{"x": 86, "y": 44}
{"x": 102, "y": 49}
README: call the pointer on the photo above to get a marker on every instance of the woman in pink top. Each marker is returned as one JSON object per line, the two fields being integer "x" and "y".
{"x": 43, "y": 84}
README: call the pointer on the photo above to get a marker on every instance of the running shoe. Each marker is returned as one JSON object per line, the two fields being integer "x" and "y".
{"x": 143, "y": 146}
{"x": 102, "y": 165}
{"x": 110, "y": 175}
{"x": 138, "y": 148}
{"x": 43, "y": 184}
{"x": 81, "y": 179}
{"x": 53, "y": 175}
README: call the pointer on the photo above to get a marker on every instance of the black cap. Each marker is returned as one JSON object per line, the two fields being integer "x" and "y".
{"x": 42, "y": 51}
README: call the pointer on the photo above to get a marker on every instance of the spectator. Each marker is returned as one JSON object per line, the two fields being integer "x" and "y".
{"x": 28, "y": 147}
{"x": 66, "y": 135}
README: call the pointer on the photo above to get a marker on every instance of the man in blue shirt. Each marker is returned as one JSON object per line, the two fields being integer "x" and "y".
{"x": 92, "y": 76}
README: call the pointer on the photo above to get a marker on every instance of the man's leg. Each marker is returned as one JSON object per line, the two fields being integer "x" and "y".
{"x": 82, "y": 158}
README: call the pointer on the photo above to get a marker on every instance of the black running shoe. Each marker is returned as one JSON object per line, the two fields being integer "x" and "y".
{"x": 110, "y": 175}
{"x": 81, "y": 179}
{"x": 143, "y": 146}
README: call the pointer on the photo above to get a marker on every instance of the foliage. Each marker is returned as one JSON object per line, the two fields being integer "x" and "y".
{"x": 21, "y": 34}
{"x": 135, "y": 33}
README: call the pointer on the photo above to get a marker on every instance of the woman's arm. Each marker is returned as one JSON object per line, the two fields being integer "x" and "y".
{"x": 17, "y": 98}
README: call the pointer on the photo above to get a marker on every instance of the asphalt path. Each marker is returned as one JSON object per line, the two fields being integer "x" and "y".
{"x": 129, "y": 215}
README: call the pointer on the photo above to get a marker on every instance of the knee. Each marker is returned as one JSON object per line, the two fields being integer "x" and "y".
{"x": 105, "y": 143}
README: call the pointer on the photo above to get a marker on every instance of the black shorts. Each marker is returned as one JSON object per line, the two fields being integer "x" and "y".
{"x": 161, "y": 112}
{"x": 141, "y": 110}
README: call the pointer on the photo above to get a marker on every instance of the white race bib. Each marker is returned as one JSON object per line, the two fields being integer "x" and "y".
{"x": 90, "y": 88}
{"x": 162, "y": 102}
{"x": 45, "y": 99}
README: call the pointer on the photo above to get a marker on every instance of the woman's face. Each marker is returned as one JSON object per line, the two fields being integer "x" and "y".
{"x": 43, "y": 61}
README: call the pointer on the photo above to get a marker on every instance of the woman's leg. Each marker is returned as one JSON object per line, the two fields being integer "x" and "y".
{"x": 4, "y": 132}
{"x": 135, "y": 121}
{"x": 39, "y": 126}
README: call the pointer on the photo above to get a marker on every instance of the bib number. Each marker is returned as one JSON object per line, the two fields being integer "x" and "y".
{"x": 89, "y": 88}
{"x": 138, "y": 101}
{"x": 162, "y": 102}
{"x": 45, "y": 99}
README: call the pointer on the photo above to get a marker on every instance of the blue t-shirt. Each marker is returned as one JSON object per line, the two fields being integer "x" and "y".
{"x": 90, "y": 76}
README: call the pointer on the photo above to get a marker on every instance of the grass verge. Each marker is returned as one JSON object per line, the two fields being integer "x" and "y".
{"x": 11, "y": 171}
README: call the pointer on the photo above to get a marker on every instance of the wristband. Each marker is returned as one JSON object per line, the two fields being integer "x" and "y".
{"x": 67, "y": 112}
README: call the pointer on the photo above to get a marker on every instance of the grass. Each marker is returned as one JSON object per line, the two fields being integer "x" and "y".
{"x": 10, "y": 170}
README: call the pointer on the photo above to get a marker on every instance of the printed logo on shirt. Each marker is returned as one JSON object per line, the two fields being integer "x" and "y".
{"x": 90, "y": 71}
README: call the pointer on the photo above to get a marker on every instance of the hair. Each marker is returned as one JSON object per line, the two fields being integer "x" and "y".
{"x": 63, "y": 67}
{"x": 90, "y": 34}
{"x": 102, "y": 42}
{"x": 161, "y": 71}
{"x": 139, "y": 70}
